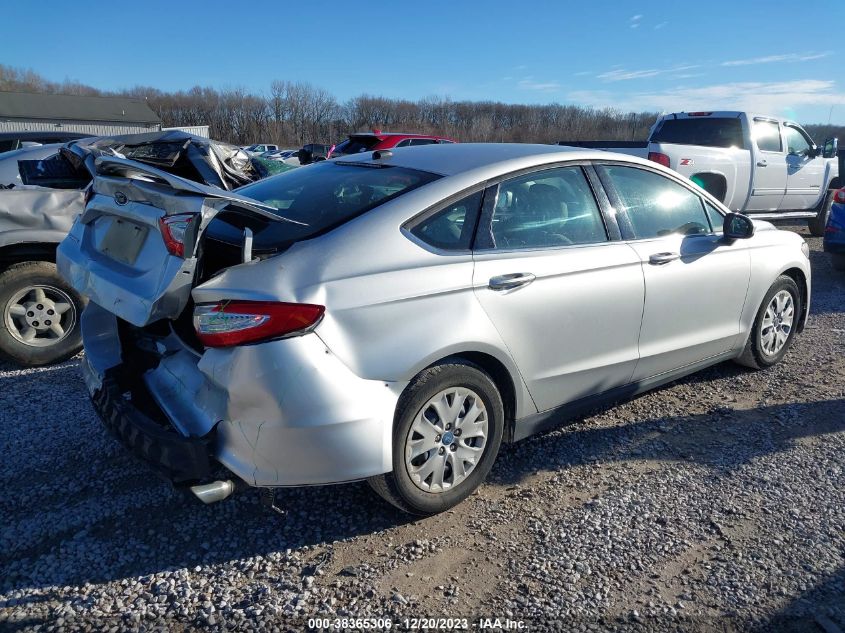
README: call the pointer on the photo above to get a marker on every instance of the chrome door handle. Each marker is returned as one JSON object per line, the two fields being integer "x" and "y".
{"x": 761, "y": 163}
{"x": 511, "y": 281}
{"x": 658, "y": 259}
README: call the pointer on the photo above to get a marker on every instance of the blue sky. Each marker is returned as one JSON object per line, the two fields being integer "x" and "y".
{"x": 782, "y": 57}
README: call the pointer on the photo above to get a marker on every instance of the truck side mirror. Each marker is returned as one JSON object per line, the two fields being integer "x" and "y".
{"x": 830, "y": 147}
{"x": 737, "y": 227}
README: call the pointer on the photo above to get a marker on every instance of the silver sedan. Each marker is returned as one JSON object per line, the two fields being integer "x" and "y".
{"x": 395, "y": 316}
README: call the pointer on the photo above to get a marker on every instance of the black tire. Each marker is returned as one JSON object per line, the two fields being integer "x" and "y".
{"x": 397, "y": 487}
{"x": 754, "y": 355}
{"x": 37, "y": 274}
{"x": 818, "y": 223}
{"x": 837, "y": 260}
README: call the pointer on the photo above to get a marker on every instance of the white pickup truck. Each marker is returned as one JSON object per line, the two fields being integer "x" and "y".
{"x": 756, "y": 164}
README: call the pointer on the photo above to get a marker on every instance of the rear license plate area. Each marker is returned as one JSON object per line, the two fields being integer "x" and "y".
{"x": 123, "y": 241}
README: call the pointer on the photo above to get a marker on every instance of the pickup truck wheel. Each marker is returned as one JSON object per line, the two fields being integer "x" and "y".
{"x": 774, "y": 327}
{"x": 818, "y": 223}
{"x": 40, "y": 315}
{"x": 448, "y": 429}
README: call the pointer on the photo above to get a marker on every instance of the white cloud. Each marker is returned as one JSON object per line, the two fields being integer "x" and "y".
{"x": 538, "y": 86}
{"x": 767, "y": 97}
{"x": 770, "y": 59}
{"x": 623, "y": 75}
{"x": 657, "y": 27}
{"x": 620, "y": 74}
{"x": 636, "y": 18}
{"x": 582, "y": 73}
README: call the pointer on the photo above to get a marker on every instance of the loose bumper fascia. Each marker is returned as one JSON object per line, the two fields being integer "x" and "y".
{"x": 177, "y": 458}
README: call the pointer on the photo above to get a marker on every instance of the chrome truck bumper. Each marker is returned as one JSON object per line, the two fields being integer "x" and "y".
{"x": 282, "y": 413}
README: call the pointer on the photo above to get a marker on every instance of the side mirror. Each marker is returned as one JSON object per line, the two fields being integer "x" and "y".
{"x": 737, "y": 227}
{"x": 830, "y": 148}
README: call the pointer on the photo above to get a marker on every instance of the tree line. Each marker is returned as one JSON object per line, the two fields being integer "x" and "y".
{"x": 294, "y": 113}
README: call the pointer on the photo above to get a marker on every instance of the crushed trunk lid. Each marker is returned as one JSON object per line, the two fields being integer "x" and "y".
{"x": 116, "y": 252}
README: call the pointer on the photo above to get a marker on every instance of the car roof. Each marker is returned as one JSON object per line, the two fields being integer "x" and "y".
{"x": 402, "y": 134}
{"x": 455, "y": 158}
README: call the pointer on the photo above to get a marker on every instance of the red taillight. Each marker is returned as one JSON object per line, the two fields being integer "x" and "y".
{"x": 839, "y": 196}
{"x": 174, "y": 229}
{"x": 699, "y": 113}
{"x": 657, "y": 157}
{"x": 231, "y": 323}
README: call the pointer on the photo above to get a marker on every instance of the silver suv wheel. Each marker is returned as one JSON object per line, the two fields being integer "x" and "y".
{"x": 40, "y": 316}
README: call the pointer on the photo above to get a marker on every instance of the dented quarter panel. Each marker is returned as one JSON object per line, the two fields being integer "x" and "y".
{"x": 37, "y": 214}
{"x": 370, "y": 276}
{"x": 286, "y": 412}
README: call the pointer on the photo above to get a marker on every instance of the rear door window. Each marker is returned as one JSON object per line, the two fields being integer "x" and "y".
{"x": 709, "y": 132}
{"x": 422, "y": 141}
{"x": 553, "y": 207}
{"x": 767, "y": 135}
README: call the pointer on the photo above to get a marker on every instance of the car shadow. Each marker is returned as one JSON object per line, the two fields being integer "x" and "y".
{"x": 819, "y": 608}
{"x": 828, "y": 286}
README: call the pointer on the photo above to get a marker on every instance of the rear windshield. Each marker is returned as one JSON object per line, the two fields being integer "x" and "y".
{"x": 710, "y": 132}
{"x": 318, "y": 197}
{"x": 355, "y": 145}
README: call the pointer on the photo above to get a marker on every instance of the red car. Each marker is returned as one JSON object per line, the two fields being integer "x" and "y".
{"x": 371, "y": 141}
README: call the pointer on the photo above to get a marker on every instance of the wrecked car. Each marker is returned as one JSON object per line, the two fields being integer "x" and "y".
{"x": 394, "y": 316}
{"x": 42, "y": 190}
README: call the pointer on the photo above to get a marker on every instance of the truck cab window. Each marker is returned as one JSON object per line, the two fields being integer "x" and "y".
{"x": 767, "y": 136}
{"x": 796, "y": 142}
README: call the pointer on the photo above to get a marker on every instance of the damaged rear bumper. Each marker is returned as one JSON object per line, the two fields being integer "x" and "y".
{"x": 177, "y": 458}
{"x": 282, "y": 413}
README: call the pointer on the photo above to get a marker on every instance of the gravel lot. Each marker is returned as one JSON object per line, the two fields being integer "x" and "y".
{"x": 717, "y": 503}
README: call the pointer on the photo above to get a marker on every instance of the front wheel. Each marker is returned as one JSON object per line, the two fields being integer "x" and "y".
{"x": 447, "y": 432}
{"x": 40, "y": 315}
{"x": 817, "y": 224}
{"x": 774, "y": 327}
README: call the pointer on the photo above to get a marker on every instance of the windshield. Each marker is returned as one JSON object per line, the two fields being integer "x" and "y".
{"x": 319, "y": 198}
{"x": 709, "y": 132}
{"x": 355, "y": 145}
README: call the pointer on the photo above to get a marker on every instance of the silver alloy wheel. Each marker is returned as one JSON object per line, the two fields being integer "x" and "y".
{"x": 40, "y": 316}
{"x": 777, "y": 323}
{"x": 446, "y": 440}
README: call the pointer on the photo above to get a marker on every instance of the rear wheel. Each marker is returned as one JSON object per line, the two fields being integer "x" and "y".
{"x": 447, "y": 433}
{"x": 774, "y": 327}
{"x": 837, "y": 260}
{"x": 818, "y": 223}
{"x": 40, "y": 315}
